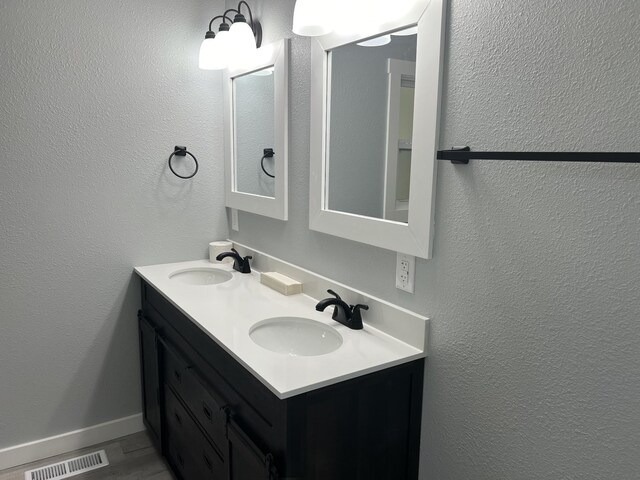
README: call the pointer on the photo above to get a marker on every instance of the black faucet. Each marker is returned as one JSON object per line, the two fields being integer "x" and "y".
{"x": 343, "y": 313}
{"x": 240, "y": 264}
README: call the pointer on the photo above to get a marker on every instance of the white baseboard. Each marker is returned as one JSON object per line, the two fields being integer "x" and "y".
{"x": 70, "y": 441}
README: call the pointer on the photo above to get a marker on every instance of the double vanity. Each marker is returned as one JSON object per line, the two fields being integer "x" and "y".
{"x": 242, "y": 382}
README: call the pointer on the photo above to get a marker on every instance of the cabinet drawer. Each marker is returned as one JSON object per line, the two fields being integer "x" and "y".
{"x": 189, "y": 386}
{"x": 208, "y": 463}
{"x": 181, "y": 464}
{"x": 189, "y": 451}
{"x": 247, "y": 460}
{"x": 174, "y": 369}
{"x": 206, "y": 409}
{"x": 185, "y": 461}
{"x": 176, "y": 416}
{"x": 178, "y": 437}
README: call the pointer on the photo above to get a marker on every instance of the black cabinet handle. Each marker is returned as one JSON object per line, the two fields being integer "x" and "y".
{"x": 207, "y": 461}
{"x": 178, "y": 375}
{"x": 206, "y": 411}
{"x": 180, "y": 460}
{"x": 178, "y": 417}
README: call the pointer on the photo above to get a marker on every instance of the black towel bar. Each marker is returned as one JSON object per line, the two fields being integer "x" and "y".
{"x": 462, "y": 155}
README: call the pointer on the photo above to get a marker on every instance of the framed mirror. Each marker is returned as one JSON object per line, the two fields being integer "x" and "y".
{"x": 256, "y": 131}
{"x": 374, "y": 130}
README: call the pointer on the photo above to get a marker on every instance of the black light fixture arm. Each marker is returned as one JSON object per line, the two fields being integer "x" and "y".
{"x": 242, "y": 2}
{"x": 226, "y": 17}
{"x": 223, "y": 16}
{"x": 255, "y": 25}
{"x": 228, "y": 10}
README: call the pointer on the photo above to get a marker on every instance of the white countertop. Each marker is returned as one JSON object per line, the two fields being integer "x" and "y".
{"x": 227, "y": 311}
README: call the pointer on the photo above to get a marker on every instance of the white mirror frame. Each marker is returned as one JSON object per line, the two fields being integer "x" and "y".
{"x": 416, "y": 236}
{"x": 274, "y": 55}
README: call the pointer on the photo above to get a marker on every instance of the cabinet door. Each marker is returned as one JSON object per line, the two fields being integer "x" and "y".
{"x": 247, "y": 460}
{"x": 150, "y": 378}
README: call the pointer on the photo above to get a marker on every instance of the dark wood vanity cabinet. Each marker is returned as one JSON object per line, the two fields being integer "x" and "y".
{"x": 212, "y": 419}
{"x": 150, "y": 379}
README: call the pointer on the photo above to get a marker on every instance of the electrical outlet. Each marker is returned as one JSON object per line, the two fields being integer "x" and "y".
{"x": 234, "y": 219}
{"x": 405, "y": 272}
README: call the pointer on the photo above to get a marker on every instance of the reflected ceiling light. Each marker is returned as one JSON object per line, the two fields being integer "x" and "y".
{"x": 406, "y": 32}
{"x": 376, "y": 42}
{"x": 233, "y": 43}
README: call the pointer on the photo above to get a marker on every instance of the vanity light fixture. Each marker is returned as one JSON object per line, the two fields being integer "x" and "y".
{"x": 236, "y": 39}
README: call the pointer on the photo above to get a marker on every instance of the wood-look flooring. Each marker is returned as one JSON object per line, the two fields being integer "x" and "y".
{"x": 130, "y": 458}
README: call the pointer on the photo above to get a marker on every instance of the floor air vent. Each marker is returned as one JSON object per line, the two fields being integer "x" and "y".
{"x": 69, "y": 468}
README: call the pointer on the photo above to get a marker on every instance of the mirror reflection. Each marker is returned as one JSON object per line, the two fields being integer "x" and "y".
{"x": 371, "y": 117}
{"x": 254, "y": 134}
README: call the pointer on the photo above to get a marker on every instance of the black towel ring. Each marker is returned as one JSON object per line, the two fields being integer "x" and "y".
{"x": 268, "y": 153}
{"x": 182, "y": 152}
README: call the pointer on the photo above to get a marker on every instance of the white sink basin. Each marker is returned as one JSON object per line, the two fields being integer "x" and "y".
{"x": 295, "y": 336}
{"x": 201, "y": 276}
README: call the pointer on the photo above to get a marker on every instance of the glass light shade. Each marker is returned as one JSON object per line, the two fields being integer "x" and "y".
{"x": 400, "y": 8}
{"x": 241, "y": 40}
{"x": 224, "y": 39}
{"x": 208, "y": 58}
{"x": 354, "y": 17}
{"x": 376, "y": 42}
{"x": 311, "y": 18}
{"x": 213, "y": 52}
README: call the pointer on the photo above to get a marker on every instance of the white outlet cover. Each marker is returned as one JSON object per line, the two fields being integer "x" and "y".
{"x": 234, "y": 220}
{"x": 405, "y": 272}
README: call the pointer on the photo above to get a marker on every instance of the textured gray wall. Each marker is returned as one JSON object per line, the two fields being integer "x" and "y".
{"x": 533, "y": 288}
{"x": 94, "y": 95}
{"x": 358, "y": 140}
